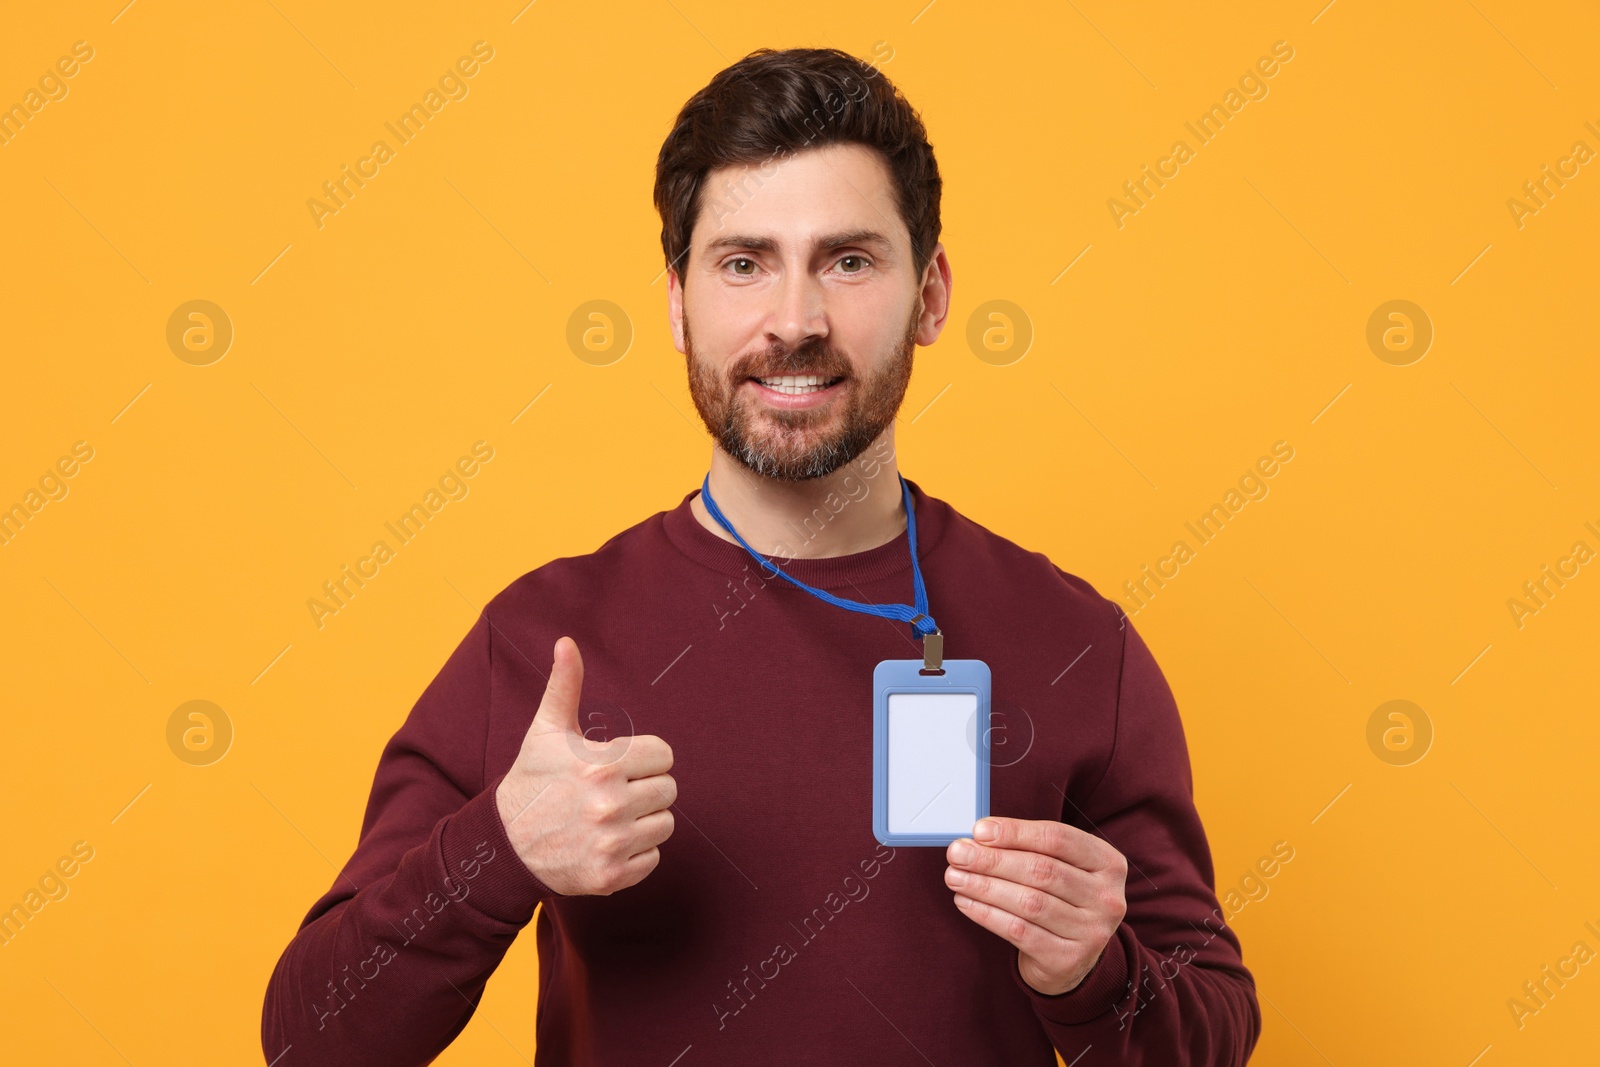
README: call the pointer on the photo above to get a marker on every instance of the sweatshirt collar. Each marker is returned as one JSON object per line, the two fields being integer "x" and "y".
{"x": 834, "y": 573}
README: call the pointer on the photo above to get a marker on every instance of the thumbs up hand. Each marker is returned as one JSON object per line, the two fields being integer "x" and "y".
{"x": 585, "y": 816}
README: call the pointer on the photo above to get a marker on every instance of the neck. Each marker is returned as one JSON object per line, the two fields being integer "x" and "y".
{"x": 846, "y": 512}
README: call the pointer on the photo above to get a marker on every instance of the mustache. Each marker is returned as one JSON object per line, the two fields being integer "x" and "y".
{"x": 820, "y": 359}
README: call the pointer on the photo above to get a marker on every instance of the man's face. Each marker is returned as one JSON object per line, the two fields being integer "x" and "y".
{"x": 802, "y": 268}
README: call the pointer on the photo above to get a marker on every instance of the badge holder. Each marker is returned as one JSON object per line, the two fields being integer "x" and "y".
{"x": 930, "y": 747}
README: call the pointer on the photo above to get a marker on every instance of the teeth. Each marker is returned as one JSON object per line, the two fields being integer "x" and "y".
{"x": 795, "y": 384}
{"x": 793, "y": 379}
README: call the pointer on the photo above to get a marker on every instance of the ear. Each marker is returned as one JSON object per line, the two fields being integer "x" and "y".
{"x": 935, "y": 295}
{"x": 675, "y": 309}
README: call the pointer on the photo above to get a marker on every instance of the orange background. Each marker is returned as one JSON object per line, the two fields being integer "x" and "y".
{"x": 1229, "y": 313}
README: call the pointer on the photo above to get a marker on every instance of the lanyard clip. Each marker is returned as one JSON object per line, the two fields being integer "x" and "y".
{"x": 932, "y": 646}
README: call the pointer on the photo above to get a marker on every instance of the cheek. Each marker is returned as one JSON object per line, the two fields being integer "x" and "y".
{"x": 708, "y": 369}
{"x": 719, "y": 329}
{"x": 873, "y": 333}
{"x": 861, "y": 321}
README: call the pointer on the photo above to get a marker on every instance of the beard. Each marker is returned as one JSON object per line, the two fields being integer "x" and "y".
{"x": 799, "y": 445}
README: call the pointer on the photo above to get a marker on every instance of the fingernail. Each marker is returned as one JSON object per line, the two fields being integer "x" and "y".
{"x": 961, "y": 852}
{"x": 955, "y": 878}
{"x": 963, "y": 902}
{"x": 986, "y": 830}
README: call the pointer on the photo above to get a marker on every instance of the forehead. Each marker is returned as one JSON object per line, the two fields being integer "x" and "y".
{"x": 798, "y": 198}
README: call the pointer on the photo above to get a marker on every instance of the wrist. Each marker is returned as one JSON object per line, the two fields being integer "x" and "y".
{"x": 1045, "y": 987}
{"x": 1055, "y": 988}
{"x": 481, "y": 859}
{"x": 508, "y": 807}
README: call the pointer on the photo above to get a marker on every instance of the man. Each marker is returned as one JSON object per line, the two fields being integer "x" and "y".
{"x": 690, "y": 796}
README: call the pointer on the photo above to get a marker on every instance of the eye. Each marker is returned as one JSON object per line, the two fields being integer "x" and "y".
{"x": 742, "y": 259}
{"x": 860, "y": 264}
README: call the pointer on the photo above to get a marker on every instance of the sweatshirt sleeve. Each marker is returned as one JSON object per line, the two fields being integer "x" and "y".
{"x": 1170, "y": 987}
{"x": 388, "y": 965}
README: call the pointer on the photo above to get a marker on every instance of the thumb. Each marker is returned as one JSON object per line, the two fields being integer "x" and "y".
{"x": 558, "y": 711}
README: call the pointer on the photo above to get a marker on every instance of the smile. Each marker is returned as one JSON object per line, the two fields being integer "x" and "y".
{"x": 797, "y": 384}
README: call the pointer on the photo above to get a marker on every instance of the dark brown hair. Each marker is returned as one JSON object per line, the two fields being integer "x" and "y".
{"x": 772, "y": 104}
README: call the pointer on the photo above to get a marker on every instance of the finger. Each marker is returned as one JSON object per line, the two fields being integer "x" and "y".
{"x": 1029, "y": 937}
{"x": 651, "y": 831}
{"x": 1066, "y": 843}
{"x": 655, "y": 793}
{"x": 1023, "y": 901}
{"x": 1062, "y": 880}
{"x": 558, "y": 710}
{"x": 643, "y": 756}
{"x": 638, "y": 866}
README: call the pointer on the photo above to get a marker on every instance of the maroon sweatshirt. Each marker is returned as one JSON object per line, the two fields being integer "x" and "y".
{"x": 776, "y": 929}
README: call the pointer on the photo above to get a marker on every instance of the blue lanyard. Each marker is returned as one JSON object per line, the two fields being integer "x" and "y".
{"x": 903, "y": 612}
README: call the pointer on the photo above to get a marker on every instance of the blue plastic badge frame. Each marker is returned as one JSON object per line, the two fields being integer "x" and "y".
{"x": 893, "y": 676}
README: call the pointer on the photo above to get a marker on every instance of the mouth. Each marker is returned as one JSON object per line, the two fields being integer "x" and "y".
{"x": 797, "y": 384}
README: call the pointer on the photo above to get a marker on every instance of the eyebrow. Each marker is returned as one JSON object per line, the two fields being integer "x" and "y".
{"x": 827, "y": 242}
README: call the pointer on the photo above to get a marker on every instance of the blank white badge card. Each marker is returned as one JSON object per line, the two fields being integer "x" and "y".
{"x": 933, "y": 766}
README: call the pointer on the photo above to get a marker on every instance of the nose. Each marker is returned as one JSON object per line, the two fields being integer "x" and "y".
{"x": 799, "y": 312}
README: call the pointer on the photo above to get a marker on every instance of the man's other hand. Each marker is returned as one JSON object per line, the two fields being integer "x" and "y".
{"x": 1050, "y": 889}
